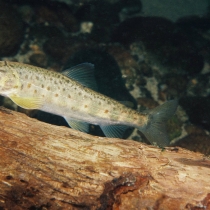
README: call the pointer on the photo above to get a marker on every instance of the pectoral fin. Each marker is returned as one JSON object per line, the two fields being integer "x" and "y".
{"x": 27, "y": 102}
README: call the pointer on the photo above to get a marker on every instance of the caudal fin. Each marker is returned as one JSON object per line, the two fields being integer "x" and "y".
{"x": 155, "y": 130}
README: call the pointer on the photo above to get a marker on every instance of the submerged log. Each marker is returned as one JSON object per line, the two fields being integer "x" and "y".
{"x": 43, "y": 166}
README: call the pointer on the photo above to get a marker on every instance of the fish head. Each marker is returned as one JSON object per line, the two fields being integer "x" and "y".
{"x": 9, "y": 80}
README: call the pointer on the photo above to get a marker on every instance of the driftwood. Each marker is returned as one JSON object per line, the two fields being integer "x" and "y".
{"x": 43, "y": 166}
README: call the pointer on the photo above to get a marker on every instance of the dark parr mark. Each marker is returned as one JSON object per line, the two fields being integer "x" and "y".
{"x": 9, "y": 177}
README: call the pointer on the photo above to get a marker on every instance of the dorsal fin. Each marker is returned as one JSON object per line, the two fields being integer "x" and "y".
{"x": 82, "y": 73}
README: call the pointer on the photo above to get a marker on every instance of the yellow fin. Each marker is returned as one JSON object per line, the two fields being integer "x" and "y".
{"x": 27, "y": 102}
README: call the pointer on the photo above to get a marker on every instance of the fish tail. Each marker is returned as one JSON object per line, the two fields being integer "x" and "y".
{"x": 155, "y": 129}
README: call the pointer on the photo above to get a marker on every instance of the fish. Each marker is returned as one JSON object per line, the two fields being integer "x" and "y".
{"x": 73, "y": 95}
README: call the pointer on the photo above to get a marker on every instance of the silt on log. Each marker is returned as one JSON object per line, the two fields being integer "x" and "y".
{"x": 43, "y": 166}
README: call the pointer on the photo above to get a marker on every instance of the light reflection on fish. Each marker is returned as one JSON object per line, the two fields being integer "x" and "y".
{"x": 71, "y": 95}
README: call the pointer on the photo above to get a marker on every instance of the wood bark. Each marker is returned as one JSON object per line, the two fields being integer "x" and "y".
{"x": 43, "y": 166}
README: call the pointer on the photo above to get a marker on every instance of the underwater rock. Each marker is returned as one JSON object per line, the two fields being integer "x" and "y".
{"x": 169, "y": 43}
{"x": 130, "y": 7}
{"x": 61, "y": 48}
{"x": 146, "y": 69}
{"x": 173, "y": 86}
{"x": 154, "y": 30}
{"x": 147, "y": 103}
{"x": 174, "y": 127}
{"x": 128, "y": 65}
{"x": 194, "y": 22}
{"x": 199, "y": 85}
{"x": 42, "y": 31}
{"x": 45, "y": 14}
{"x": 197, "y": 140}
{"x": 38, "y": 59}
{"x": 11, "y": 30}
{"x": 197, "y": 108}
{"x": 67, "y": 18}
{"x": 122, "y": 56}
{"x": 104, "y": 17}
{"x": 57, "y": 14}
{"x": 192, "y": 129}
{"x": 26, "y": 12}
{"x": 196, "y": 143}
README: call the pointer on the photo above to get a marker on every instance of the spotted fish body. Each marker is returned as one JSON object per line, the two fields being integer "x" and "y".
{"x": 69, "y": 95}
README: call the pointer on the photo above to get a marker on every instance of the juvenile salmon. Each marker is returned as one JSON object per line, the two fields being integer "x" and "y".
{"x": 72, "y": 95}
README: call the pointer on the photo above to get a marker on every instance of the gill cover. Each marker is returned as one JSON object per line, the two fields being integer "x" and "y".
{"x": 9, "y": 79}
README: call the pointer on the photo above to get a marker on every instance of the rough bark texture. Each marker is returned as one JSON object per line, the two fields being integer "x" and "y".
{"x": 50, "y": 167}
